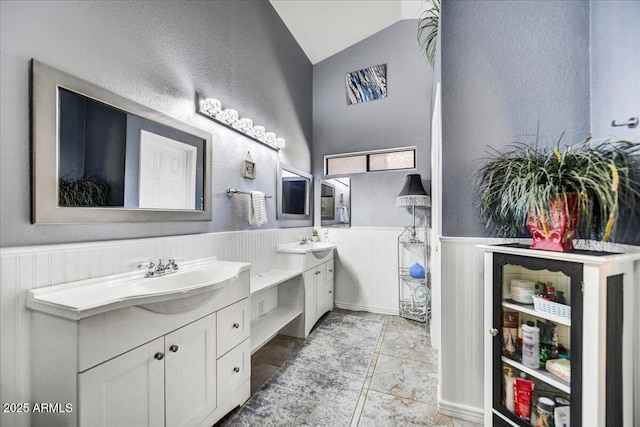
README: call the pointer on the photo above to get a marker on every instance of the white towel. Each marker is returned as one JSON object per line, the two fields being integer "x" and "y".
{"x": 344, "y": 214}
{"x": 257, "y": 209}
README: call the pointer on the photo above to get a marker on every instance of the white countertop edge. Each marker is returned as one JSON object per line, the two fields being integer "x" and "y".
{"x": 36, "y": 298}
{"x": 296, "y": 248}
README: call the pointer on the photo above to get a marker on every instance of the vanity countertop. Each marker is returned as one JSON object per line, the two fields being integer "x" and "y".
{"x": 297, "y": 248}
{"x": 84, "y": 298}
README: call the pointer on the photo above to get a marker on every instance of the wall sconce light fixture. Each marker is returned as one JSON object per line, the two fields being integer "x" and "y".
{"x": 212, "y": 108}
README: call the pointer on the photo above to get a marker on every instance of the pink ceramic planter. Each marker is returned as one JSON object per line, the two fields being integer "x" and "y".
{"x": 556, "y": 231}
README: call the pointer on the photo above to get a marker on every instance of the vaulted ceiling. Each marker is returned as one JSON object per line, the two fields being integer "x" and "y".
{"x": 325, "y": 27}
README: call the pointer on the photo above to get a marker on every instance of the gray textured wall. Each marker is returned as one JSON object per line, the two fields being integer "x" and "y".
{"x": 615, "y": 68}
{"x": 615, "y": 87}
{"x": 615, "y": 95}
{"x": 401, "y": 119}
{"x": 158, "y": 54}
{"x": 507, "y": 68}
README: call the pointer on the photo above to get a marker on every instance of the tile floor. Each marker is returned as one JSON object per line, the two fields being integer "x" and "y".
{"x": 400, "y": 387}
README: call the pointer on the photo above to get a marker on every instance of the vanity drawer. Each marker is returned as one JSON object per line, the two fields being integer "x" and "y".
{"x": 329, "y": 270}
{"x": 234, "y": 368}
{"x": 233, "y": 326}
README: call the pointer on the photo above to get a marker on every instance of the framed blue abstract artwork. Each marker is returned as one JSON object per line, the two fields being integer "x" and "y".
{"x": 367, "y": 84}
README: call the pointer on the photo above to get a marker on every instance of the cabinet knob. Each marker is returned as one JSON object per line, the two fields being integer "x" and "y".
{"x": 493, "y": 332}
{"x": 173, "y": 348}
{"x": 236, "y": 325}
{"x": 330, "y": 292}
{"x": 236, "y": 369}
{"x": 159, "y": 356}
{"x": 330, "y": 271}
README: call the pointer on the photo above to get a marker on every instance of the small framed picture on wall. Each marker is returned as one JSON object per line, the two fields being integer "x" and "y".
{"x": 248, "y": 169}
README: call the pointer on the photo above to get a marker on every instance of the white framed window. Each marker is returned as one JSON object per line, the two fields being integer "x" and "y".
{"x": 370, "y": 161}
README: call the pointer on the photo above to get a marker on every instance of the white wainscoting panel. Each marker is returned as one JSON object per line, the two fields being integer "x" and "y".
{"x": 268, "y": 298}
{"x": 366, "y": 276}
{"x": 25, "y": 268}
{"x": 461, "y": 345}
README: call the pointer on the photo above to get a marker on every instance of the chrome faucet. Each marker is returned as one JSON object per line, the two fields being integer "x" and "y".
{"x": 160, "y": 269}
{"x": 171, "y": 264}
{"x": 304, "y": 240}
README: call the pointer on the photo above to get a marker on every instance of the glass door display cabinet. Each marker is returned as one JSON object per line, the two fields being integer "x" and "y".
{"x": 559, "y": 342}
{"x": 414, "y": 284}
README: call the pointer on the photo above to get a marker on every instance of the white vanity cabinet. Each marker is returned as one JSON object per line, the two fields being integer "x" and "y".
{"x": 135, "y": 367}
{"x": 317, "y": 267}
{"x": 323, "y": 275}
{"x": 170, "y": 375}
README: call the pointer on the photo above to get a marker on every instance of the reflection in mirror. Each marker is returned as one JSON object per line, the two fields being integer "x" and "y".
{"x": 293, "y": 196}
{"x": 335, "y": 202}
{"x": 115, "y": 160}
{"x": 109, "y": 157}
{"x": 327, "y": 201}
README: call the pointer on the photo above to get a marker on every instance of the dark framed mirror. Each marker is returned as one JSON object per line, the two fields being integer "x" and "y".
{"x": 335, "y": 202}
{"x": 293, "y": 193}
{"x": 99, "y": 157}
{"x": 327, "y": 201}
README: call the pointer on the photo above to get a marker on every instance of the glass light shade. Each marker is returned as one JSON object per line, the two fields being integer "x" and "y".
{"x": 232, "y": 115}
{"x": 210, "y": 106}
{"x": 258, "y": 131}
{"x": 270, "y": 137}
{"x": 222, "y": 116}
{"x": 246, "y": 123}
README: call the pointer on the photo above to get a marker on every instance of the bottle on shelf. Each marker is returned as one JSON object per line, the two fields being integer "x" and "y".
{"x": 523, "y": 393}
{"x": 531, "y": 345}
{"x": 509, "y": 401}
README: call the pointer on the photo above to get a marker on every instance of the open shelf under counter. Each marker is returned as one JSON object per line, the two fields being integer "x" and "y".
{"x": 271, "y": 278}
{"x": 528, "y": 309}
{"x": 540, "y": 374}
{"x": 267, "y": 326}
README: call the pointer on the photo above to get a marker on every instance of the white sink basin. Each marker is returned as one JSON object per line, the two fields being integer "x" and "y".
{"x": 174, "y": 293}
{"x": 316, "y": 247}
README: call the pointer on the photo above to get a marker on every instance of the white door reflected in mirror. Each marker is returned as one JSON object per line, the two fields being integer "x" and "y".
{"x": 167, "y": 172}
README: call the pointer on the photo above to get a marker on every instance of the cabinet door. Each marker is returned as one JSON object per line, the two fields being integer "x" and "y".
{"x": 125, "y": 391}
{"x": 328, "y": 287}
{"x": 324, "y": 287}
{"x": 233, "y": 326}
{"x": 329, "y": 295}
{"x": 190, "y": 378}
{"x": 321, "y": 290}
{"x": 535, "y": 350}
{"x": 234, "y": 368}
{"x": 310, "y": 300}
{"x": 329, "y": 270}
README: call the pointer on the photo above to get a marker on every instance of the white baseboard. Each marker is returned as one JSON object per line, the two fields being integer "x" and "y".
{"x": 377, "y": 310}
{"x": 463, "y": 412}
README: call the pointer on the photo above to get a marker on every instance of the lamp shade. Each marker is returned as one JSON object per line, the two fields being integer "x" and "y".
{"x": 412, "y": 193}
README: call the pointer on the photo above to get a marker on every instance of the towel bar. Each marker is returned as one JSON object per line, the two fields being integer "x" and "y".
{"x": 232, "y": 191}
{"x": 632, "y": 122}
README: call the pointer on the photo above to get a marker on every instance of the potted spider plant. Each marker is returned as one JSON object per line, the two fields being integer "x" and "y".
{"x": 428, "y": 29}
{"x": 558, "y": 193}
{"x": 84, "y": 191}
